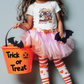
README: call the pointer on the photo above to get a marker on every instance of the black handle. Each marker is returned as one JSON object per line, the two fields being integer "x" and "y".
{"x": 12, "y": 28}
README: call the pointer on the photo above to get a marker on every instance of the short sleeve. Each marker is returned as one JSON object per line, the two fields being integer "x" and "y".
{"x": 57, "y": 8}
{"x": 30, "y": 10}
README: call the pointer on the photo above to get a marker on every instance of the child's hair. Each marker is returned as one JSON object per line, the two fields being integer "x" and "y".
{"x": 23, "y": 5}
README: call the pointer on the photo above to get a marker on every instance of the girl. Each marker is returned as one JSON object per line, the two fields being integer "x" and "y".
{"x": 43, "y": 16}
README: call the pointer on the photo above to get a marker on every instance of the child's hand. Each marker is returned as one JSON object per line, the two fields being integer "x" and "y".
{"x": 17, "y": 24}
{"x": 61, "y": 35}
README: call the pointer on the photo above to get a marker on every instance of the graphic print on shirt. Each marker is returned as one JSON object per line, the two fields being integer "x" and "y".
{"x": 45, "y": 16}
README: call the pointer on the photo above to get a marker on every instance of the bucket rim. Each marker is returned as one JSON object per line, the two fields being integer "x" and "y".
{"x": 14, "y": 47}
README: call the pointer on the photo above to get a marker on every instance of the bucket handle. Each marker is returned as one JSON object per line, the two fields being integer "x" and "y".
{"x": 12, "y": 28}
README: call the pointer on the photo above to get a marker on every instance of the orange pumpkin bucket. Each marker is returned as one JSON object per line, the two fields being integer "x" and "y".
{"x": 18, "y": 60}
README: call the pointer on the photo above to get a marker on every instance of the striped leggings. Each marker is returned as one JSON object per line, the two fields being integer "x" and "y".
{"x": 43, "y": 66}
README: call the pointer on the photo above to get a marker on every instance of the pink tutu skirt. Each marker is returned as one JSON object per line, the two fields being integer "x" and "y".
{"x": 45, "y": 45}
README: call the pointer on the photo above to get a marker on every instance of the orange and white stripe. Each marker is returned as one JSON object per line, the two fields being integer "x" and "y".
{"x": 67, "y": 80}
{"x": 43, "y": 62}
{"x": 58, "y": 63}
{"x": 63, "y": 70}
{"x": 45, "y": 80}
{"x": 43, "y": 66}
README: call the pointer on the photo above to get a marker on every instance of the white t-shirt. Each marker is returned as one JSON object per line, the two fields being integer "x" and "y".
{"x": 44, "y": 15}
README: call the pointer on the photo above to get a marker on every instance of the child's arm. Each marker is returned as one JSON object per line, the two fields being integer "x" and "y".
{"x": 28, "y": 24}
{"x": 59, "y": 23}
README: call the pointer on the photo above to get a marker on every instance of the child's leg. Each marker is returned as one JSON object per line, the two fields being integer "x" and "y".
{"x": 43, "y": 66}
{"x": 63, "y": 70}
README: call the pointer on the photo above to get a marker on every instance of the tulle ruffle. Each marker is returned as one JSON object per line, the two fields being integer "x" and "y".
{"x": 46, "y": 45}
